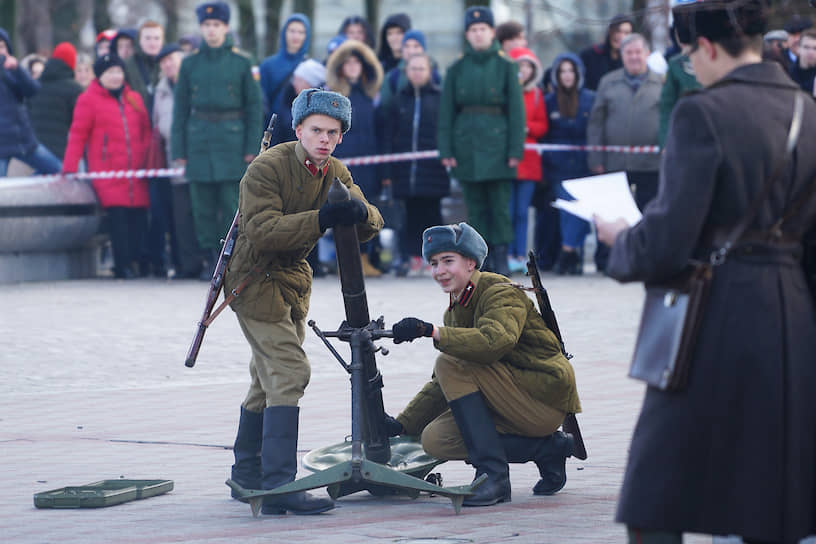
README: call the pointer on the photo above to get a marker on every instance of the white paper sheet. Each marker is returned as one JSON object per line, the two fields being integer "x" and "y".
{"x": 608, "y": 196}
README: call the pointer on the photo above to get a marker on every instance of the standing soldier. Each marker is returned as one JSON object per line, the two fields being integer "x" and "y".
{"x": 283, "y": 213}
{"x": 216, "y": 126}
{"x": 481, "y": 132}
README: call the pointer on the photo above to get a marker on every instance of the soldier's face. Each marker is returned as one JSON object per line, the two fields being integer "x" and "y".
{"x": 480, "y": 36}
{"x": 214, "y": 32}
{"x": 451, "y": 271}
{"x": 319, "y": 134}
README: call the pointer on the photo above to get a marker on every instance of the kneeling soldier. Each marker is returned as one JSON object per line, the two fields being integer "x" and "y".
{"x": 501, "y": 386}
{"x": 283, "y": 214}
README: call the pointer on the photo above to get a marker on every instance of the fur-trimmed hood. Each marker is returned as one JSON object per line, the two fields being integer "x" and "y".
{"x": 522, "y": 53}
{"x": 371, "y": 80}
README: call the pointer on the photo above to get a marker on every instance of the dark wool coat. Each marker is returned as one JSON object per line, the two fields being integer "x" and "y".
{"x": 482, "y": 140}
{"x": 401, "y": 134}
{"x": 216, "y": 81}
{"x": 498, "y": 323}
{"x": 114, "y": 134}
{"x": 51, "y": 110}
{"x": 16, "y": 135}
{"x": 735, "y": 451}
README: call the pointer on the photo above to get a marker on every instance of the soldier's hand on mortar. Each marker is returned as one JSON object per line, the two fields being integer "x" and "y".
{"x": 392, "y": 426}
{"x": 409, "y": 328}
{"x": 347, "y": 212}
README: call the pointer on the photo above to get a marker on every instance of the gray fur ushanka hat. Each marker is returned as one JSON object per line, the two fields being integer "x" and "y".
{"x": 462, "y": 239}
{"x": 312, "y": 101}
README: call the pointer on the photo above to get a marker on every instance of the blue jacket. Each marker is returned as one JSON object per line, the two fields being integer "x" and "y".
{"x": 561, "y": 165}
{"x": 16, "y": 135}
{"x": 278, "y": 68}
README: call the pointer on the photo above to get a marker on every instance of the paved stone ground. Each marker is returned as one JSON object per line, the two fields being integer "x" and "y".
{"x": 93, "y": 386}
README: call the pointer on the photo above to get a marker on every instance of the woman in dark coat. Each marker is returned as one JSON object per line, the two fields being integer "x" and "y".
{"x": 410, "y": 125}
{"x": 52, "y": 109}
{"x": 734, "y": 452}
{"x": 569, "y": 106}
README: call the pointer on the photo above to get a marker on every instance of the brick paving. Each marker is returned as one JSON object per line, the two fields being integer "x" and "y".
{"x": 93, "y": 386}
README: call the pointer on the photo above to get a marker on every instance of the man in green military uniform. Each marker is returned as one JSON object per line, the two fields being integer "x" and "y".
{"x": 283, "y": 213}
{"x": 217, "y": 120}
{"x": 481, "y": 132}
{"x": 501, "y": 386}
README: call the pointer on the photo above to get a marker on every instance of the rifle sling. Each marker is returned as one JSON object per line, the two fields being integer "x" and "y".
{"x": 233, "y": 294}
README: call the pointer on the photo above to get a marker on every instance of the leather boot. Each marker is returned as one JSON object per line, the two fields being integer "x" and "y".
{"x": 500, "y": 260}
{"x": 279, "y": 464}
{"x": 247, "y": 449}
{"x": 549, "y": 454}
{"x": 485, "y": 450}
{"x": 369, "y": 270}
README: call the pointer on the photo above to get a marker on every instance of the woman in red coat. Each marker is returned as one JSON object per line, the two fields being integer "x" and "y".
{"x": 529, "y": 169}
{"x": 112, "y": 128}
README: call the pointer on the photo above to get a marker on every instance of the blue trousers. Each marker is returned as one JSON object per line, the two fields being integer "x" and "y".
{"x": 40, "y": 159}
{"x": 520, "y": 201}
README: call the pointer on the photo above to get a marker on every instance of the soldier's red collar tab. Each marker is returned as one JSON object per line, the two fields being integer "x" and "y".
{"x": 314, "y": 169}
{"x": 464, "y": 298}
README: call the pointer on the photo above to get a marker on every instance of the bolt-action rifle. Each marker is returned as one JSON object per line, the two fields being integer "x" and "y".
{"x": 217, "y": 281}
{"x": 570, "y": 424}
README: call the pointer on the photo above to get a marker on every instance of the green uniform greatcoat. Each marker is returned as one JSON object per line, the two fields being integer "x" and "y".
{"x": 212, "y": 83}
{"x": 498, "y": 323}
{"x": 279, "y": 226}
{"x": 481, "y": 116}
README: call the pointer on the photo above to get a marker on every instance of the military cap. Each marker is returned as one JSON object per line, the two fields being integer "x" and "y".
{"x": 478, "y": 14}
{"x": 213, "y": 10}
{"x": 317, "y": 101}
{"x": 462, "y": 239}
{"x": 719, "y": 19}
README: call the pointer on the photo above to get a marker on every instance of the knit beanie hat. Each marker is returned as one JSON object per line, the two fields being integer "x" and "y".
{"x": 105, "y": 62}
{"x": 415, "y": 35}
{"x": 65, "y": 52}
{"x": 312, "y": 101}
{"x": 462, "y": 239}
{"x": 312, "y": 72}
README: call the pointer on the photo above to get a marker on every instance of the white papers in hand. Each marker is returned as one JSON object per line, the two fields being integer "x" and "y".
{"x": 608, "y": 196}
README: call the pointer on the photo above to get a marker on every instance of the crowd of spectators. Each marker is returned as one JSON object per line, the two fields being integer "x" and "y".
{"x": 140, "y": 102}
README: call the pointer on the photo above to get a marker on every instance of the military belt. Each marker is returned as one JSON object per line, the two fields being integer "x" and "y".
{"x": 490, "y": 110}
{"x": 219, "y": 115}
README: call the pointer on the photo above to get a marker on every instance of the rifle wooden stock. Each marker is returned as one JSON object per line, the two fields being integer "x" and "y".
{"x": 570, "y": 425}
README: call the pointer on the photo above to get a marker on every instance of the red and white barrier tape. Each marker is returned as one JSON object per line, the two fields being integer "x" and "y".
{"x": 353, "y": 161}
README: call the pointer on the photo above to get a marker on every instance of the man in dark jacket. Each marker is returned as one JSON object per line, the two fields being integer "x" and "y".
{"x": 803, "y": 71}
{"x": 17, "y": 139}
{"x": 733, "y": 452}
{"x": 501, "y": 386}
{"x": 51, "y": 110}
{"x": 602, "y": 58}
{"x": 142, "y": 69}
{"x": 217, "y": 121}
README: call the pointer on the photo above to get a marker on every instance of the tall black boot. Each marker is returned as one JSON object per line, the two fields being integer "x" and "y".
{"x": 485, "y": 450}
{"x": 279, "y": 464}
{"x": 247, "y": 449}
{"x": 500, "y": 260}
{"x": 549, "y": 454}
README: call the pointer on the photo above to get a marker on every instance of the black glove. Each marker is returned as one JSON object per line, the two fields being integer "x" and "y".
{"x": 392, "y": 426}
{"x": 409, "y": 328}
{"x": 346, "y": 212}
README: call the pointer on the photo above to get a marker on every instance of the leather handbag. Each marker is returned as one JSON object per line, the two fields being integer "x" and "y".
{"x": 674, "y": 310}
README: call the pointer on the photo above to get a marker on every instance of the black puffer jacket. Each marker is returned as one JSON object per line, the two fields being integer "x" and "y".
{"x": 51, "y": 110}
{"x": 16, "y": 136}
{"x": 426, "y": 177}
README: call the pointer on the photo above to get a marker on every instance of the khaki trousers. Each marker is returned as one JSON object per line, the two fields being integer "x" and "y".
{"x": 514, "y": 410}
{"x": 279, "y": 367}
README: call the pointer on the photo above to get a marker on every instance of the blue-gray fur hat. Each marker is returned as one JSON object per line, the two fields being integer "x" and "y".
{"x": 478, "y": 14}
{"x": 213, "y": 10}
{"x": 462, "y": 239}
{"x": 312, "y": 101}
